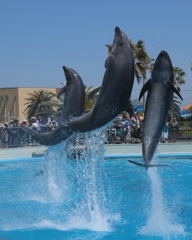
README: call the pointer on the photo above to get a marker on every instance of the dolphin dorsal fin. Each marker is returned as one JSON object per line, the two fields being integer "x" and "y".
{"x": 145, "y": 87}
{"x": 174, "y": 89}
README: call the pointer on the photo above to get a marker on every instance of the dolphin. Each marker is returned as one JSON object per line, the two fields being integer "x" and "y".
{"x": 114, "y": 96}
{"x": 73, "y": 107}
{"x": 160, "y": 89}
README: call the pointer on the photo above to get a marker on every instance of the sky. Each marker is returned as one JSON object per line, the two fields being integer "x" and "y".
{"x": 38, "y": 37}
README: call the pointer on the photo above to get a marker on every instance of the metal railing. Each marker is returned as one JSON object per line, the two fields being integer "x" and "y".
{"x": 132, "y": 133}
{"x": 11, "y": 137}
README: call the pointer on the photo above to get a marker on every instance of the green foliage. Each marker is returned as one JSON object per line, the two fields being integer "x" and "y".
{"x": 142, "y": 60}
{"x": 90, "y": 97}
{"x": 41, "y": 102}
{"x": 175, "y": 109}
{"x": 178, "y": 77}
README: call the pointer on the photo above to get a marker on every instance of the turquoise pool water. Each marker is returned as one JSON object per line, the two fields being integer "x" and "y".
{"x": 94, "y": 199}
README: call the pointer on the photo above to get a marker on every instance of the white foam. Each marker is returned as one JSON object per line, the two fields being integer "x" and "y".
{"x": 159, "y": 222}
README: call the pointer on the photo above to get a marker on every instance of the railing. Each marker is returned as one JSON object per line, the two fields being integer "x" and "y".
{"x": 11, "y": 137}
{"x": 184, "y": 131}
{"x": 132, "y": 134}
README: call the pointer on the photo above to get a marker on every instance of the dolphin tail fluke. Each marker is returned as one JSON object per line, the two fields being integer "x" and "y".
{"x": 148, "y": 166}
{"x": 138, "y": 164}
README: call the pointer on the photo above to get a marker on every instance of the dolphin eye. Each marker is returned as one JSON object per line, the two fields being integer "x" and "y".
{"x": 121, "y": 44}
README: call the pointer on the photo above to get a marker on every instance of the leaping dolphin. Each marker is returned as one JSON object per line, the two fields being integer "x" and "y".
{"x": 73, "y": 107}
{"x": 160, "y": 89}
{"x": 114, "y": 96}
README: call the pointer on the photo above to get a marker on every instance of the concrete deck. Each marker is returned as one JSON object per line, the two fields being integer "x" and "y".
{"x": 112, "y": 150}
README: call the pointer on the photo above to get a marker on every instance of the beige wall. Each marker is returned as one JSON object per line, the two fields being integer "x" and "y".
{"x": 12, "y": 102}
{"x": 8, "y": 103}
{"x": 23, "y": 93}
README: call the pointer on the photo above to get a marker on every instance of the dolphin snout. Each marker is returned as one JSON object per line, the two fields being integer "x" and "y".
{"x": 118, "y": 31}
{"x": 65, "y": 68}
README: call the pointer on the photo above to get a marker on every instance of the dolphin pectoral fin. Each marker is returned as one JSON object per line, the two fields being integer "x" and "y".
{"x": 109, "y": 61}
{"x": 174, "y": 89}
{"x": 148, "y": 166}
{"x": 145, "y": 87}
{"x": 61, "y": 91}
{"x": 60, "y": 121}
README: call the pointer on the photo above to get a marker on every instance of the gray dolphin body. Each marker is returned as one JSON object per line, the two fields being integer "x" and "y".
{"x": 73, "y": 107}
{"x": 114, "y": 96}
{"x": 160, "y": 89}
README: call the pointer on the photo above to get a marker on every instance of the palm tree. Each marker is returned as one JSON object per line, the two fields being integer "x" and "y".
{"x": 178, "y": 77}
{"x": 142, "y": 61}
{"x": 40, "y": 102}
{"x": 90, "y": 97}
{"x": 175, "y": 108}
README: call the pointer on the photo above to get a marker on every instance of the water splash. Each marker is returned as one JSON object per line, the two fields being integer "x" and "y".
{"x": 160, "y": 221}
{"x": 71, "y": 188}
{"x": 90, "y": 202}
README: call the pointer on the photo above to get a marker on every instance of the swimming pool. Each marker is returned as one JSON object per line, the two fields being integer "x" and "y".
{"x": 94, "y": 199}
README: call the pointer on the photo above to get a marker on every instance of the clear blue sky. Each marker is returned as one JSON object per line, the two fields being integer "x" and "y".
{"x": 38, "y": 37}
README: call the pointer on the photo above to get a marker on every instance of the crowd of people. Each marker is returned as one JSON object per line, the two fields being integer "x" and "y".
{"x": 12, "y": 135}
{"x": 129, "y": 130}
{"x": 124, "y": 129}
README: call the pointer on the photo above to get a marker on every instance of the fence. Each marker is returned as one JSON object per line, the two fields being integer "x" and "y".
{"x": 116, "y": 133}
{"x": 15, "y": 137}
{"x": 132, "y": 133}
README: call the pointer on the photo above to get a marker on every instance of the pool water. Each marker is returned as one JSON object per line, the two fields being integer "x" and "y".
{"x": 118, "y": 203}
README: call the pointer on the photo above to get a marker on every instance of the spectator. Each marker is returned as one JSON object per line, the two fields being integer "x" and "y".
{"x": 125, "y": 128}
{"x": 136, "y": 126}
{"x": 44, "y": 127}
{"x": 1, "y": 124}
{"x": 5, "y": 135}
{"x": 165, "y": 133}
{"x": 2, "y": 127}
{"x": 174, "y": 128}
{"x": 35, "y": 124}
{"x": 22, "y": 134}
{"x": 53, "y": 125}
{"x": 13, "y": 134}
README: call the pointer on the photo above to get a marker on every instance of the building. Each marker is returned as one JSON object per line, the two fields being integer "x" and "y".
{"x": 12, "y": 102}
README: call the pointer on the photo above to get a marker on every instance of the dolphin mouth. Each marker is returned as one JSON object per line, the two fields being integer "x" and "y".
{"x": 164, "y": 54}
{"x": 66, "y": 72}
{"x": 65, "y": 68}
{"x": 118, "y": 32}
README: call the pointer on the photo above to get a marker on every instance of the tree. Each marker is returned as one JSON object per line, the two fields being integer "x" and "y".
{"x": 178, "y": 77}
{"x": 142, "y": 59}
{"x": 40, "y": 102}
{"x": 175, "y": 108}
{"x": 90, "y": 97}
